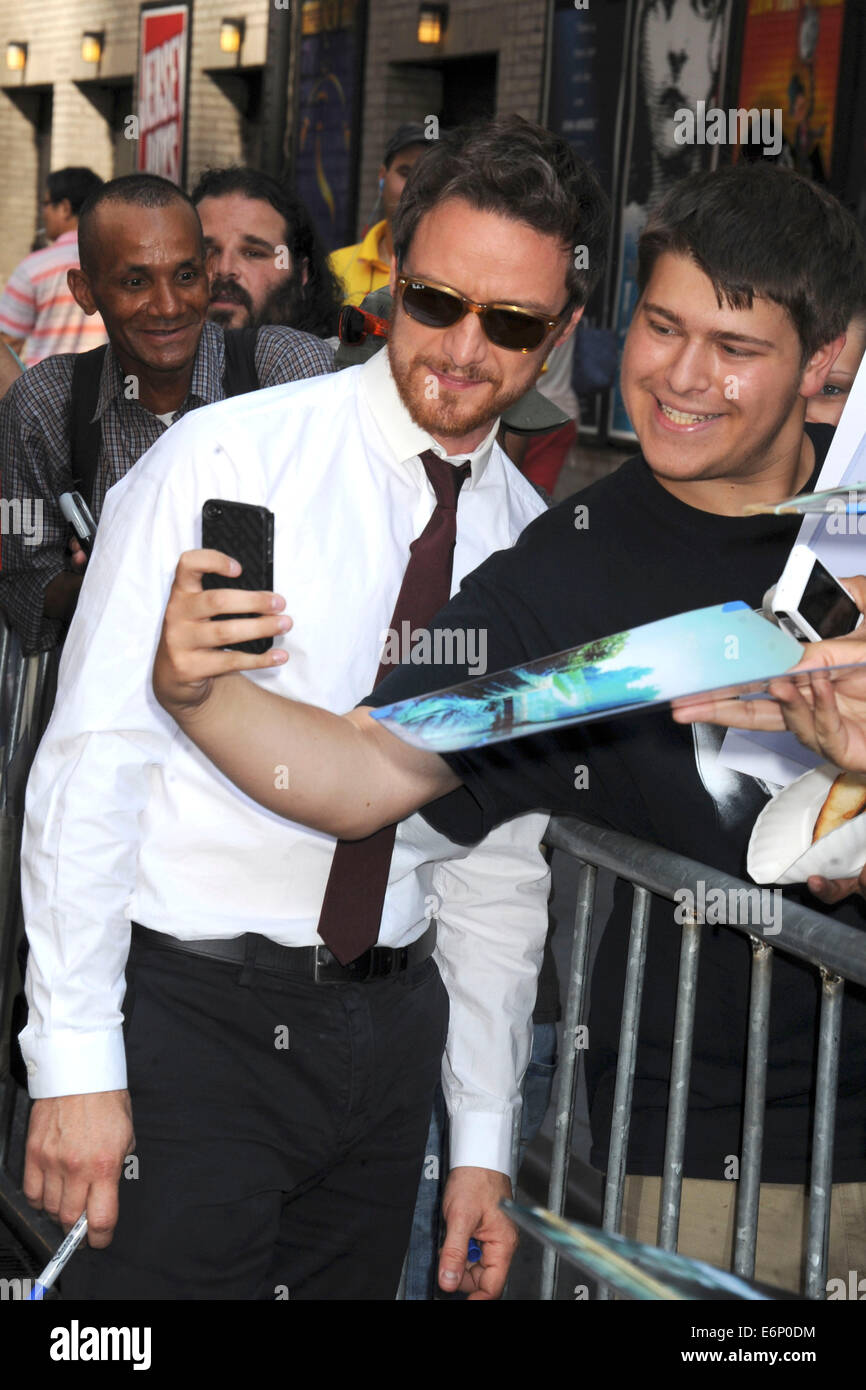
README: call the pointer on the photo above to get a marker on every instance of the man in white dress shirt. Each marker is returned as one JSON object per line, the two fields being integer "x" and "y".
{"x": 281, "y": 1106}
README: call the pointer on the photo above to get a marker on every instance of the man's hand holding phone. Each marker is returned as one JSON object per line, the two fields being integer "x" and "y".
{"x": 192, "y": 648}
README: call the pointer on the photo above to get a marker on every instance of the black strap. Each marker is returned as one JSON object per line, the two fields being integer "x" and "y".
{"x": 239, "y": 372}
{"x": 85, "y": 433}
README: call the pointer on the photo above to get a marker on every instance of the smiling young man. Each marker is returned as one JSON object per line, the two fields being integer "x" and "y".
{"x": 142, "y": 268}
{"x": 281, "y": 1076}
{"x": 747, "y": 279}
{"x": 265, "y": 259}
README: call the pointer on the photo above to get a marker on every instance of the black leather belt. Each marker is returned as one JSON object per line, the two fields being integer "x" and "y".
{"x": 315, "y": 963}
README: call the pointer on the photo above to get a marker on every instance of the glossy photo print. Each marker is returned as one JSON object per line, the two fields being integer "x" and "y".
{"x": 709, "y": 649}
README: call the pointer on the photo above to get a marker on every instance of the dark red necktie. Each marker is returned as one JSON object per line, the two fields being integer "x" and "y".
{"x": 352, "y": 906}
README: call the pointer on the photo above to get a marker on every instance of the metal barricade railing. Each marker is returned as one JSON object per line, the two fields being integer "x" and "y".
{"x": 836, "y": 950}
{"x": 27, "y": 687}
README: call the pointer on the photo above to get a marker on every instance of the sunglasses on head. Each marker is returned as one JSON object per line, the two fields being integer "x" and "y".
{"x": 355, "y": 325}
{"x": 506, "y": 325}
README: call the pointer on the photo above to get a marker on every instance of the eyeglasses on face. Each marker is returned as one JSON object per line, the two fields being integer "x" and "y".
{"x": 506, "y": 325}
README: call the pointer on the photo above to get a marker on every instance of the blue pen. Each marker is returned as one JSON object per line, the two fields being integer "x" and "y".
{"x": 67, "y": 1248}
{"x": 473, "y": 1254}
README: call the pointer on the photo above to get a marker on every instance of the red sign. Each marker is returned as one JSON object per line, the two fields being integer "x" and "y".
{"x": 162, "y": 57}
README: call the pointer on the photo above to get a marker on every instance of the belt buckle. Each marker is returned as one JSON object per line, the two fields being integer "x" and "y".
{"x": 327, "y": 970}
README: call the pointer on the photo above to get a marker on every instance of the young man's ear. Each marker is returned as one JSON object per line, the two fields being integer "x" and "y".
{"x": 79, "y": 287}
{"x": 574, "y": 320}
{"x": 819, "y": 366}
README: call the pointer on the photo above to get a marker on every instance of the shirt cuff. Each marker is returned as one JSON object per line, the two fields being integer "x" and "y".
{"x": 481, "y": 1139}
{"x": 74, "y": 1064}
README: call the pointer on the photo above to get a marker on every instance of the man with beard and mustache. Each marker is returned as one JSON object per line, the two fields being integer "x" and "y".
{"x": 305, "y": 1155}
{"x": 82, "y": 420}
{"x": 265, "y": 259}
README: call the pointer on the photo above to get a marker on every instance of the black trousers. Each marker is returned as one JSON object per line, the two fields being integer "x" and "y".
{"x": 280, "y": 1129}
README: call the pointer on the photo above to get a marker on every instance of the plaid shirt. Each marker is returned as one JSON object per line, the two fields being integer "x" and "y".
{"x": 35, "y": 421}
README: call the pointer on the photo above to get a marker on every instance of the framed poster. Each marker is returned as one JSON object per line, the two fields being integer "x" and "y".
{"x": 676, "y": 59}
{"x": 584, "y": 106}
{"x": 790, "y": 62}
{"x": 163, "y": 50}
{"x": 328, "y": 117}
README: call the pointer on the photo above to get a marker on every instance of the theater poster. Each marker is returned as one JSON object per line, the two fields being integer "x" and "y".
{"x": 328, "y": 117}
{"x": 676, "y": 58}
{"x": 162, "y": 88}
{"x": 585, "y": 108}
{"x": 790, "y": 62}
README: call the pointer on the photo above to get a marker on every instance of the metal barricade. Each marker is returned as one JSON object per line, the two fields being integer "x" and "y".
{"x": 838, "y": 953}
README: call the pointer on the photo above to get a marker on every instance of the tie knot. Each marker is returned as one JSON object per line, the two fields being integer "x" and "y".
{"x": 446, "y": 478}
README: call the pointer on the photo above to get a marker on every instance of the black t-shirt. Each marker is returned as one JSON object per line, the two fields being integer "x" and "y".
{"x": 639, "y": 554}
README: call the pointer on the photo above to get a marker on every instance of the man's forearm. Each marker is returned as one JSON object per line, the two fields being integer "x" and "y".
{"x": 342, "y": 774}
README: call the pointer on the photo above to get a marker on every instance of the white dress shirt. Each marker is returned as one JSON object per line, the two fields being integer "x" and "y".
{"x": 128, "y": 821}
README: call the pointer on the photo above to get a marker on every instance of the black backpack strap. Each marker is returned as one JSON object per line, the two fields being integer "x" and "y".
{"x": 85, "y": 433}
{"x": 239, "y": 372}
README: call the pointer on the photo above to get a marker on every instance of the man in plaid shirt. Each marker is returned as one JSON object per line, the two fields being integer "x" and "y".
{"x": 143, "y": 269}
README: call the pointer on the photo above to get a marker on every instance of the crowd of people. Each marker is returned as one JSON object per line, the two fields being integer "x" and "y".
{"x": 261, "y": 929}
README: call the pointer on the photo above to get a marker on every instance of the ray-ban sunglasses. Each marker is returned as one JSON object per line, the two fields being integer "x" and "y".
{"x": 506, "y": 325}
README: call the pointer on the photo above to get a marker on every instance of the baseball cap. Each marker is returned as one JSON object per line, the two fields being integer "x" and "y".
{"x": 410, "y": 134}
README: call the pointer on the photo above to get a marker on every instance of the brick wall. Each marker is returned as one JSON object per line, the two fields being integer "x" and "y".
{"x": 81, "y": 131}
{"x": 79, "y": 134}
{"x": 397, "y": 90}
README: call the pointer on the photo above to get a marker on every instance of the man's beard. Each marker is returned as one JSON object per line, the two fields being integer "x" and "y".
{"x": 447, "y": 414}
{"x": 233, "y": 292}
{"x": 281, "y": 306}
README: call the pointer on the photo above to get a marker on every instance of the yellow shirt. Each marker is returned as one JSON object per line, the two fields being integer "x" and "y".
{"x": 359, "y": 267}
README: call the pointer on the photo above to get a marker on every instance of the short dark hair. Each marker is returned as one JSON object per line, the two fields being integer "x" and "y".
{"x": 75, "y": 184}
{"x": 760, "y": 230}
{"x": 511, "y": 166}
{"x": 140, "y": 190}
{"x": 315, "y": 306}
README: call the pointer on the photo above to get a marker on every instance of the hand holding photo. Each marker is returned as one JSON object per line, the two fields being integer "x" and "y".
{"x": 822, "y": 702}
{"x": 721, "y": 649}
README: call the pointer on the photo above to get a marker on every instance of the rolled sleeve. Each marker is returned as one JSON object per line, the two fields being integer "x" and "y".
{"x": 18, "y": 305}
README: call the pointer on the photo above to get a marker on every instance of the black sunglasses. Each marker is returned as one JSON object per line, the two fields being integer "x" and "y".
{"x": 506, "y": 325}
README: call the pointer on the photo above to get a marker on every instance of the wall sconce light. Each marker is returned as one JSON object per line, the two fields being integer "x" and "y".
{"x": 432, "y": 23}
{"x": 16, "y": 56}
{"x": 91, "y": 47}
{"x": 231, "y": 35}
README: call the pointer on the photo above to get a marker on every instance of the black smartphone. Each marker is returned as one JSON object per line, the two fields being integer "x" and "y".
{"x": 246, "y": 533}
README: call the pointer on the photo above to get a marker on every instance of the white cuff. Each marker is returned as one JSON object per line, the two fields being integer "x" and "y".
{"x": 74, "y": 1064}
{"x": 481, "y": 1139}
